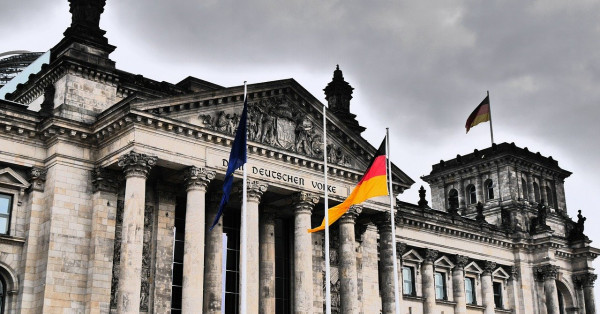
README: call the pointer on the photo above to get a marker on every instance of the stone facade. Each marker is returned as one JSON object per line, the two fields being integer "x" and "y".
{"x": 112, "y": 186}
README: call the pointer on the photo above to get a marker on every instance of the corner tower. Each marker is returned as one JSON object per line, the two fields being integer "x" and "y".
{"x": 511, "y": 183}
{"x": 338, "y": 94}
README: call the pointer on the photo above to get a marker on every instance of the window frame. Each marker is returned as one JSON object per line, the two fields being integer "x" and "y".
{"x": 453, "y": 194}
{"x": 473, "y": 290}
{"x": 499, "y": 284}
{"x": 412, "y": 281}
{"x": 9, "y": 210}
{"x": 472, "y": 194}
{"x": 489, "y": 189}
{"x": 524, "y": 189}
{"x": 442, "y": 276}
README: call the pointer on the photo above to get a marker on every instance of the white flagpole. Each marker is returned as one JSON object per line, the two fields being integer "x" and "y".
{"x": 389, "y": 175}
{"x": 327, "y": 271}
{"x": 244, "y": 231}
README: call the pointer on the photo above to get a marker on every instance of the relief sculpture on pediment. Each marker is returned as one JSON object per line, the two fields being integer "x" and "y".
{"x": 275, "y": 122}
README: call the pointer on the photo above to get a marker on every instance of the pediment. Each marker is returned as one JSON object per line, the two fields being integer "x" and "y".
{"x": 444, "y": 262}
{"x": 281, "y": 115}
{"x": 11, "y": 178}
{"x": 473, "y": 268}
{"x": 500, "y": 273}
{"x": 412, "y": 256}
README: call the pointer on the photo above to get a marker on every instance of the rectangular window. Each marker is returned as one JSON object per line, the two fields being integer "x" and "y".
{"x": 231, "y": 226}
{"x": 470, "y": 290}
{"x": 498, "y": 295}
{"x": 5, "y": 207}
{"x": 177, "y": 271}
{"x": 408, "y": 279}
{"x": 440, "y": 286}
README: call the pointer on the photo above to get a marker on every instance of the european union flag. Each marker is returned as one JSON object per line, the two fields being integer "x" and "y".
{"x": 237, "y": 158}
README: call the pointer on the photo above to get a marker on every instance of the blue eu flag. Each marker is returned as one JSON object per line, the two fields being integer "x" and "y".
{"x": 237, "y": 158}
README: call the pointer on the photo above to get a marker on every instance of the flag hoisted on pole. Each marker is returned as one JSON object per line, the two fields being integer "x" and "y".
{"x": 373, "y": 183}
{"x": 482, "y": 113}
{"x": 392, "y": 219}
{"x": 237, "y": 158}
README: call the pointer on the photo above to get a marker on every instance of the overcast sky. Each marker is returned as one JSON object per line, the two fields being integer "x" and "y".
{"x": 419, "y": 67}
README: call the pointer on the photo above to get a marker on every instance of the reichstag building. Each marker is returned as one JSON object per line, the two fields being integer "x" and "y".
{"x": 107, "y": 189}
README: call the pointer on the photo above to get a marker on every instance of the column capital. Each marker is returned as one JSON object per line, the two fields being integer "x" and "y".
{"x": 430, "y": 255}
{"x": 196, "y": 178}
{"x": 37, "y": 178}
{"x": 460, "y": 261}
{"x": 400, "y": 248}
{"x": 136, "y": 164}
{"x": 584, "y": 280}
{"x": 383, "y": 221}
{"x": 104, "y": 180}
{"x": 351, "y": 215}
{"x": 256, "y": 190}
{"x": 304, "y": 202}
{"x": 547, "y": 272}
{"x": 488, "y": 268}
{"x": 514, "y": 273}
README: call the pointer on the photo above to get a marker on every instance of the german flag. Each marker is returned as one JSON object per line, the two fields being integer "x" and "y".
{"x": 480, "y": 114}
{"x": 373, "y": 183}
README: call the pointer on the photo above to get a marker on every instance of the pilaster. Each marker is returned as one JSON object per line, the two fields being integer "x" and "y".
{"x": 458, "y": 284}
{"x": 548, "y": 274}
{"x": 104, "y": 214}
{"x": 487, "y": 287}
{"x": 585, "y": 282}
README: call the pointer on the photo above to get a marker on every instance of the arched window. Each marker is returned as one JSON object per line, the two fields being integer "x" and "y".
{"x": 536, "y": 191}
{"x": 2, "y": 294}
{"x": 550, "y": 199}
{"x": 472, "y": 195}
{"x": 489, "y": 189}
{"x": 524, "y": 188}
{"x": 453, "y": 197}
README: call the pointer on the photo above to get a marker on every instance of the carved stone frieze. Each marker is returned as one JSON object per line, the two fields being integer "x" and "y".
{"x": 197, "y": 178}
{"x": 117, "y": 255}
{"x": 276, "y": 122}
{"x": 104, "y": 180}
{"x": 304, "y": 202}
{"x": 136, "y": 164}
{"x": 147, "y": 257}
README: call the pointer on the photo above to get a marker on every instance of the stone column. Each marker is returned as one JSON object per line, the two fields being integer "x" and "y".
{"x": 347, "y": 253}
{"x": 386, "y": 257}
{"x": 487, "y": 288}
{"x": 136, "y": 167}
{"x": 462, "y": 204}
{"x": 267, "y": 262}
{"x": 213, "y": 258}
{"x": 458, "y": 284}
{"x": 548, "y": 274}
{"x": 578, "y": 282}
{"x": 543, "y": 193}
{"x": 303, "y": 275}
{"x": 428, "y": 281}
{"x": 196, "y": 181}
{"x": 251, "y": 242}
{"x": 530, "y": 191}
{"x": 104, "y": 218}
{"x": 587, "y": 282}
{"x": 479, "y": 189}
